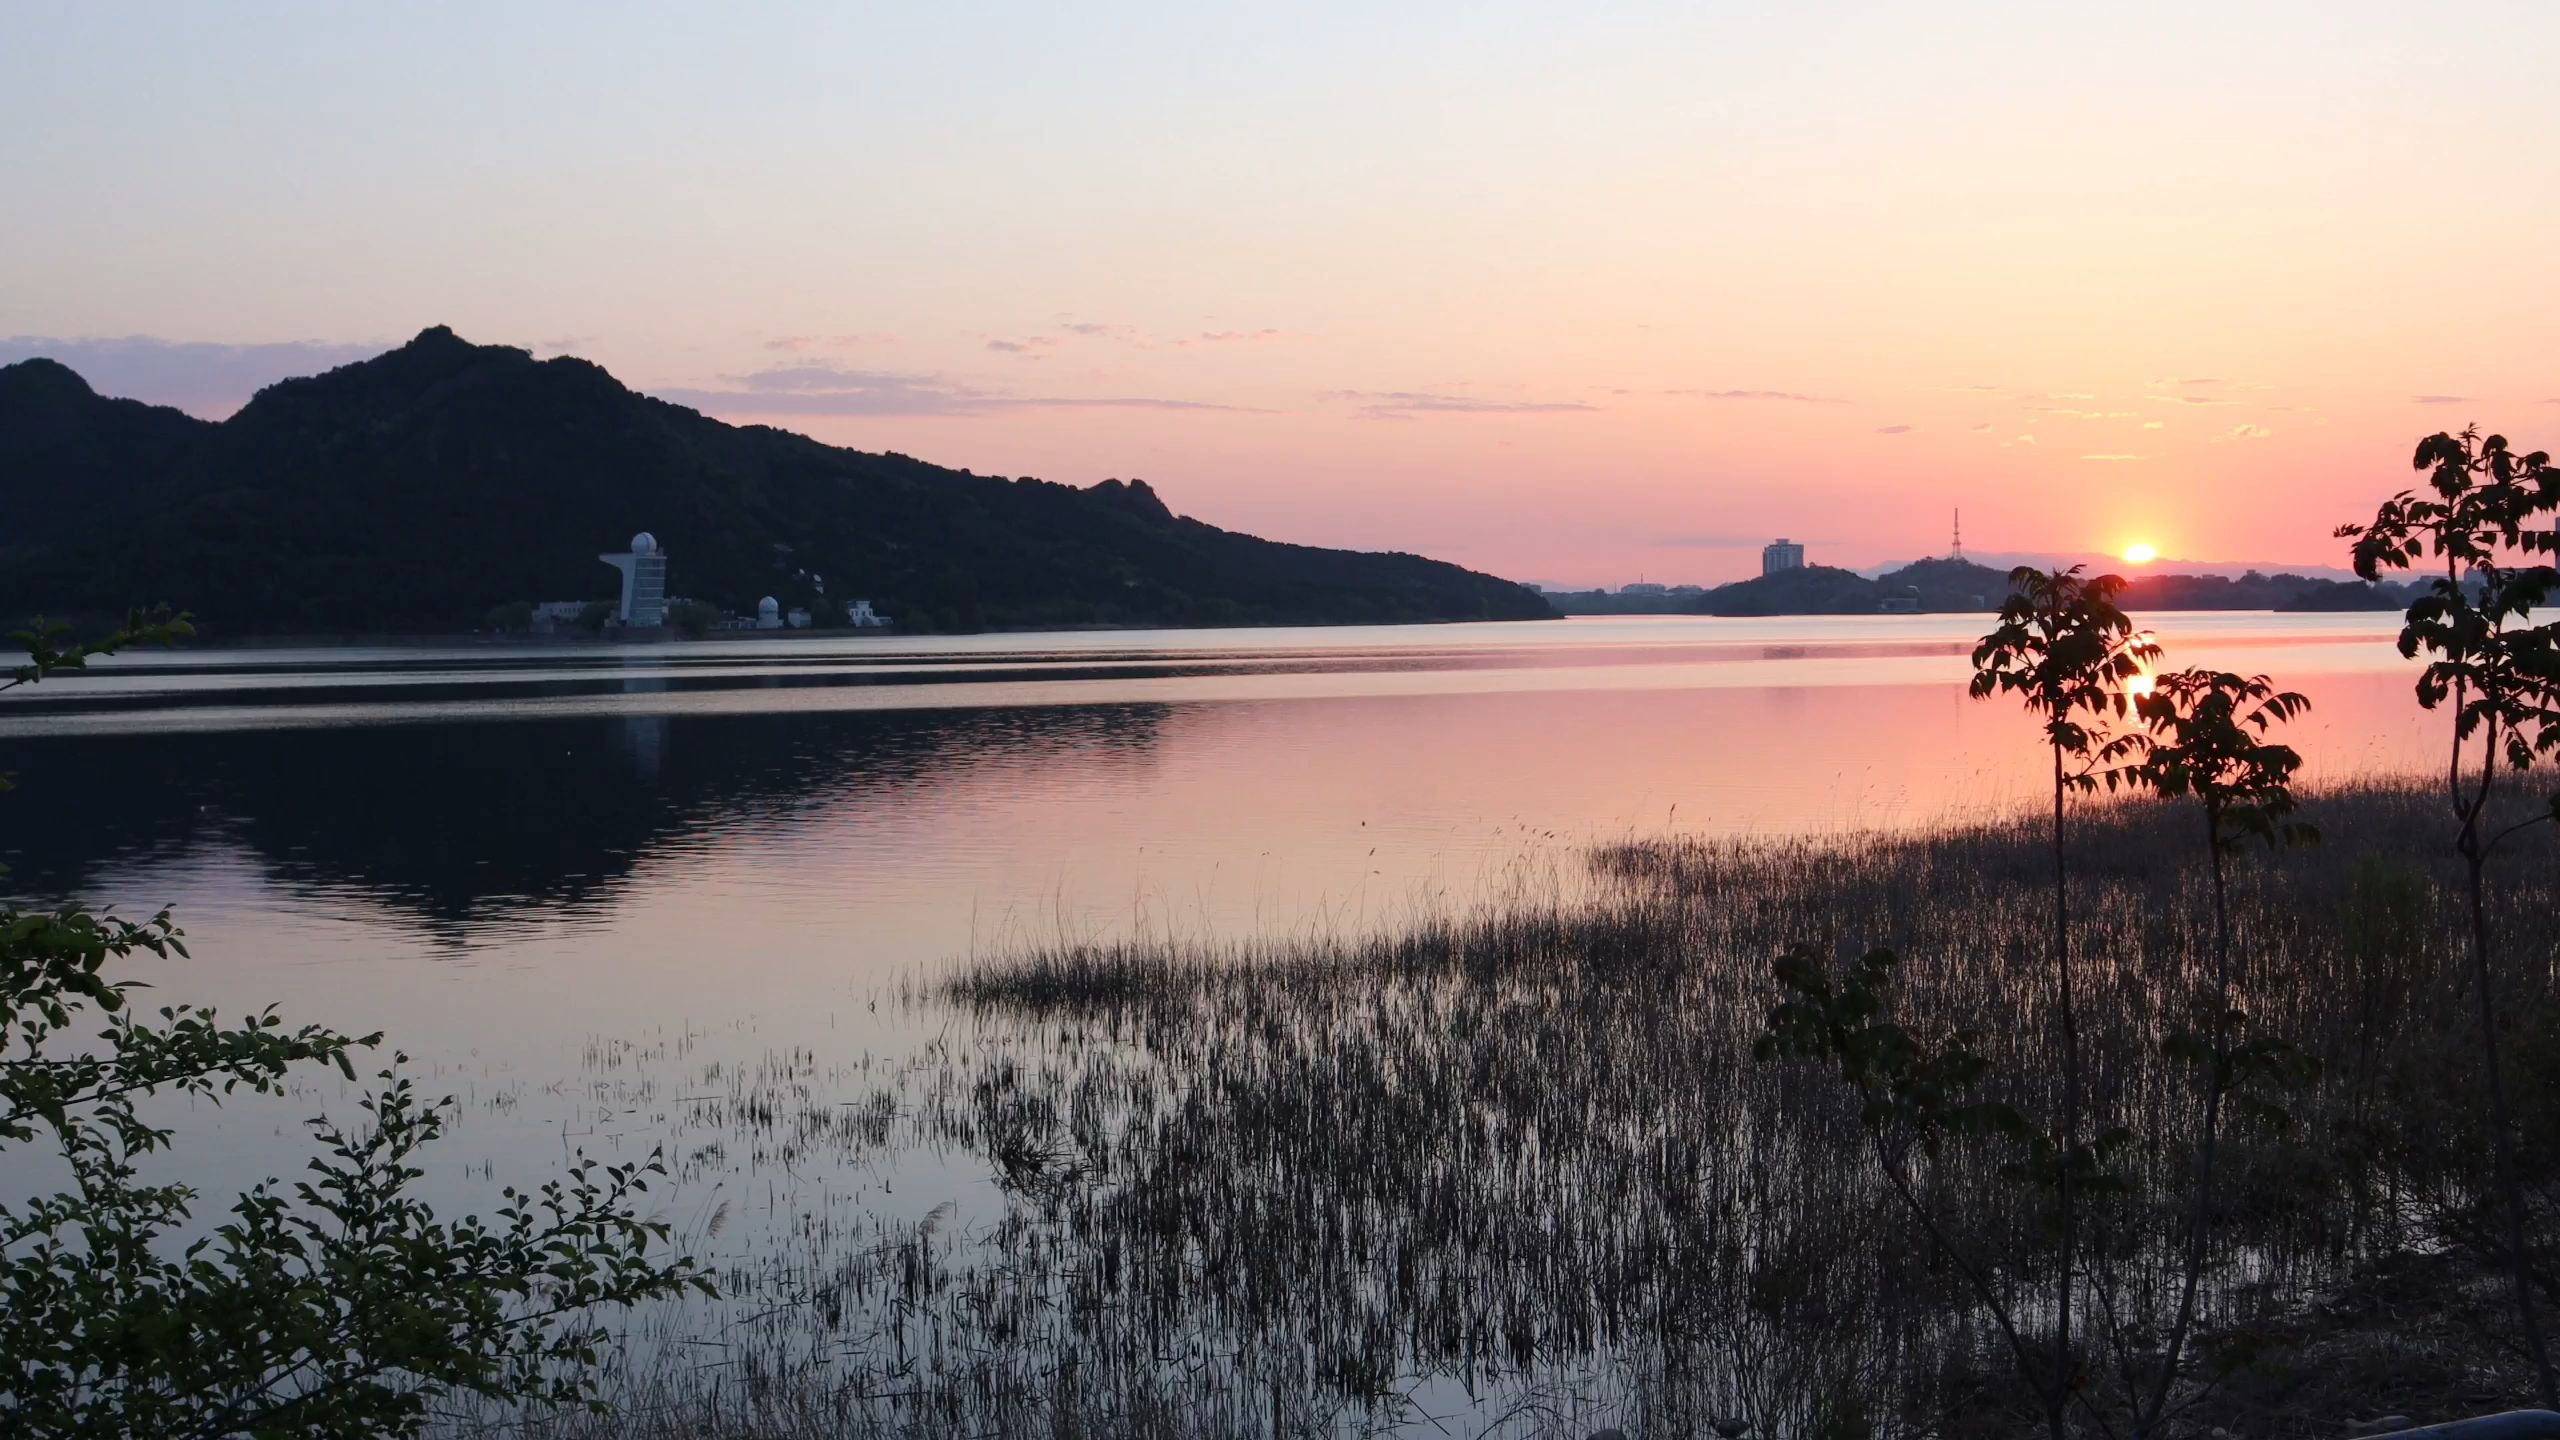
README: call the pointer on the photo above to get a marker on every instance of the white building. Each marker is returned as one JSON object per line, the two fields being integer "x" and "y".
{"x": 860, "y": 615}
{"x": 1781, "y": 554}
{"x": 644, "y": 582}
{"x": 768, "y": 614}
{"x": 553, "y": 616}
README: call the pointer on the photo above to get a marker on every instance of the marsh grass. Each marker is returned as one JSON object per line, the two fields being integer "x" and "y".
{"x": 1515, "y": 1172}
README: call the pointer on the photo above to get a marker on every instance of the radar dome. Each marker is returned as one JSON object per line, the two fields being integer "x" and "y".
{"x": 644, "y": 543}
{"x": 768, "y": 607}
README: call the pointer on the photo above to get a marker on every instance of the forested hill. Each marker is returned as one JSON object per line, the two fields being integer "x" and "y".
{"x": 415, "y": 490}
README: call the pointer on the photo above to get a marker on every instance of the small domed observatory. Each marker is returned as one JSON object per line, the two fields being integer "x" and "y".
{"x": 768, "y": 614}
{"x": 644, "y": 582}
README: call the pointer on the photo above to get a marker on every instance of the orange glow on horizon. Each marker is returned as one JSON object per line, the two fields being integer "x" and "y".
{"x": 2140, "y": 552}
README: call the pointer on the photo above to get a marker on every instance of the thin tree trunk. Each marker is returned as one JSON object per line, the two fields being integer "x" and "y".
{"x": 2502, "y": 1145}
{"x": 2064, "y": 1369}
{"x": 2217, "y": 1077}
{"x": 2502, "y": 1140}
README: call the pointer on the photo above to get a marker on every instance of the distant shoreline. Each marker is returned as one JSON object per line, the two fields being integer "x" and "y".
{"x": 407, "y": 640}
{"x": 466, "y": 639}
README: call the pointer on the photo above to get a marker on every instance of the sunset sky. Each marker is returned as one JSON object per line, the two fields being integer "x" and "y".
{"x": 1571, "y": 293}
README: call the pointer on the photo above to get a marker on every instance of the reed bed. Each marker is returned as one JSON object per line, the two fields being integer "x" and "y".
{"x": 1517, "y": 1173}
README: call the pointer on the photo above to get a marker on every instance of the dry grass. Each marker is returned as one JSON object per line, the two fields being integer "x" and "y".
{"x": 1520, "y": 1169}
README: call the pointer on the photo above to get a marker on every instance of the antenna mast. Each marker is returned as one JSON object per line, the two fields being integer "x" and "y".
{"x": 1957, "y": 553}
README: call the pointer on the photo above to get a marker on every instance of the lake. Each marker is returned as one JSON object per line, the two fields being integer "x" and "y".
{"x": 381, "y": 831}
{"x": 606, "y": 895}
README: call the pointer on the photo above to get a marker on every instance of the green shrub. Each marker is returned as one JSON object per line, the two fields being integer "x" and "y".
{"x": 337, "y": 1306}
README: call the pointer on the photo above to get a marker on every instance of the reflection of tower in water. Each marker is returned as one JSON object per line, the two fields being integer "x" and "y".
{"x": 644, "y": 735}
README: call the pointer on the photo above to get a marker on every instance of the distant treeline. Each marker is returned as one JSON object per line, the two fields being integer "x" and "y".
{"x": 1960, "y": 586}
{"x": 1684, "y": 601}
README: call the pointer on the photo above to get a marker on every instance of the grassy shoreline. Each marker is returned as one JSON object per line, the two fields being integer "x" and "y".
{"x": 1519, "y": 1165}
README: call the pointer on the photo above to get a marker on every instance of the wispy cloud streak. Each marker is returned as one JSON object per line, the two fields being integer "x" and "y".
{"x": 834, "y": 390}
{"x": 1786, "y": 395}
{"x": 1407, "y": 404}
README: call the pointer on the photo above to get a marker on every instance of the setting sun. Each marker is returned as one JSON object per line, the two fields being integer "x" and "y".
{"x": 2140, "y": 553}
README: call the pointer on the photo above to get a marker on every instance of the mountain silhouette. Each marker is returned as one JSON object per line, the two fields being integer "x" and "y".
{"x": 417, "y": 489}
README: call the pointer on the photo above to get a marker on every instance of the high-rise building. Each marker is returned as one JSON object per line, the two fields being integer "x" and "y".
{"x": 1781, "y": 554}
{"x": 644, "y": 582}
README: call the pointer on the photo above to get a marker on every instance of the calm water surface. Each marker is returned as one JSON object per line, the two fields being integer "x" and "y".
{"x": 583, "y": 886}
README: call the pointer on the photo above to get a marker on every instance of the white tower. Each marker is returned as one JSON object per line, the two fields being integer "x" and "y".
{"x": 644, "y": 582}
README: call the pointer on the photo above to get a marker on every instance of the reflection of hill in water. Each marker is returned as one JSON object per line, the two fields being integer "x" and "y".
{"x": 462, "y": 825}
